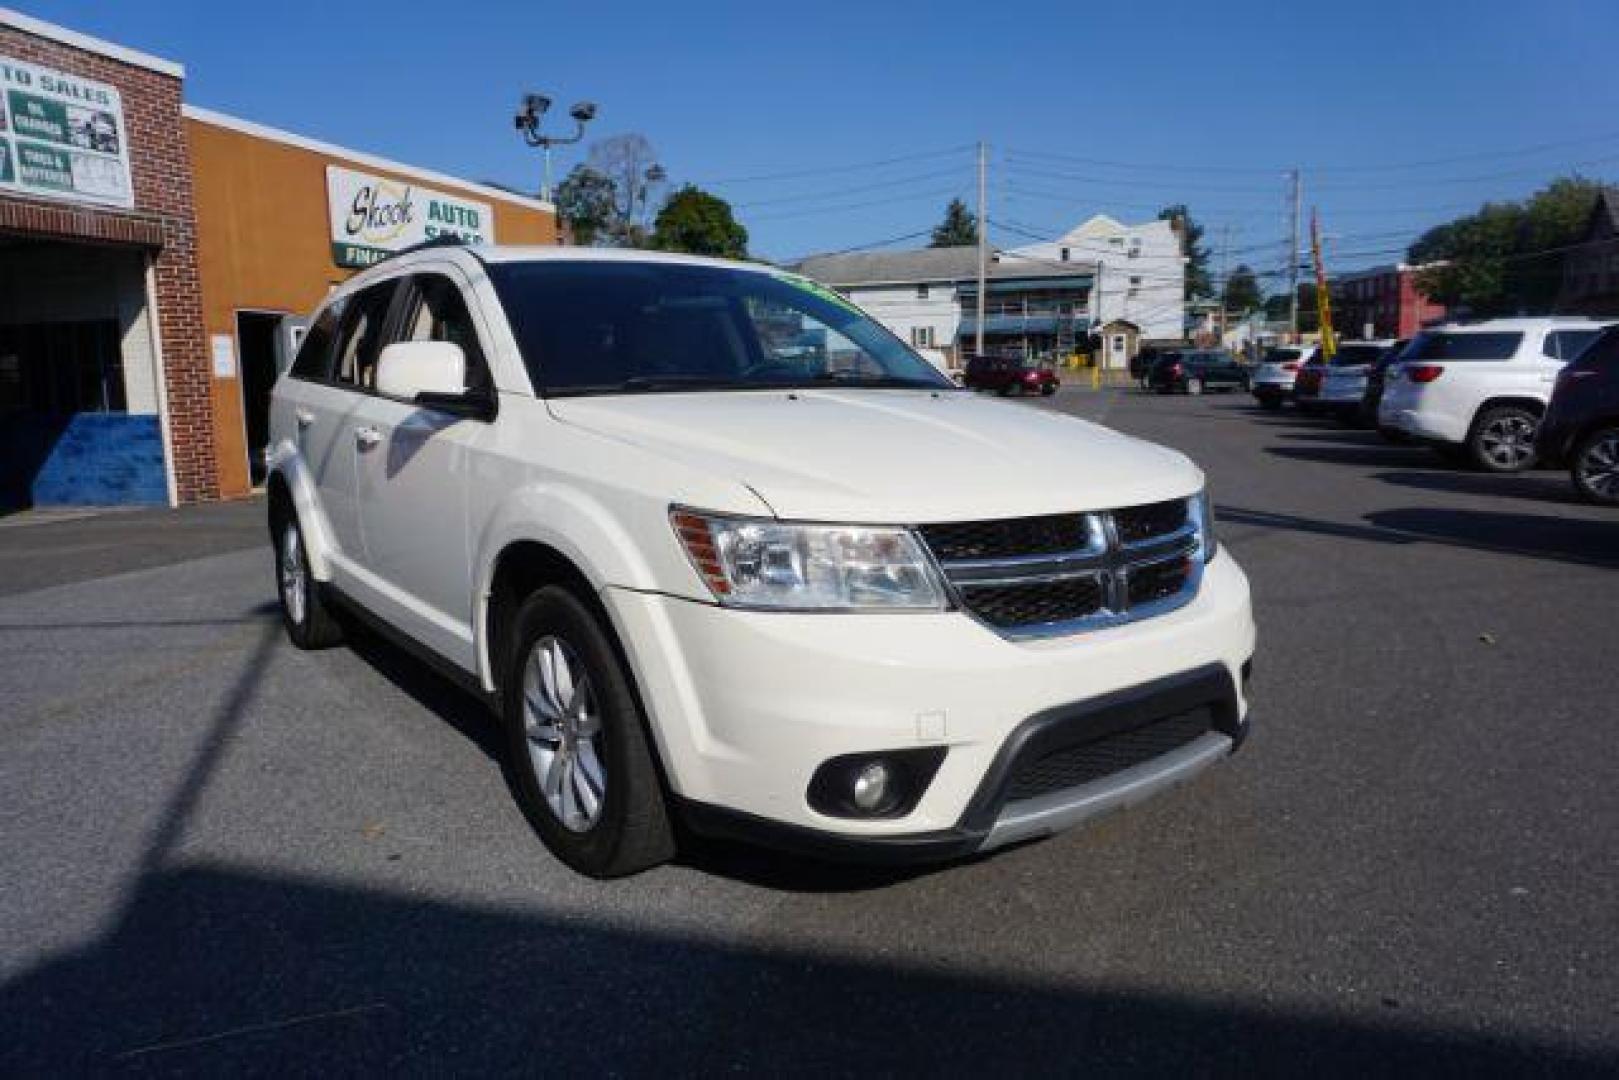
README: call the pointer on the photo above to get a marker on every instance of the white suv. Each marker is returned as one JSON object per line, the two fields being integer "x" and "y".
{"x": 714, "y": 543}
{"x": 1478, "y": 390}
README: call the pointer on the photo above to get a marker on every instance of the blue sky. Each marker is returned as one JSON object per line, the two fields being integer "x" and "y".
{"x": 1085, "y": 109}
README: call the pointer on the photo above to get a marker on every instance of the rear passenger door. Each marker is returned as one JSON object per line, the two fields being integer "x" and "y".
{"x": 413, "y": 478}
{"x": 324, "y": 412}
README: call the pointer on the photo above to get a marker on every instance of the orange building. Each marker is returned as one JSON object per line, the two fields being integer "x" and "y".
{"x": 280, "y": 220}
{"x": 157, "y": 262}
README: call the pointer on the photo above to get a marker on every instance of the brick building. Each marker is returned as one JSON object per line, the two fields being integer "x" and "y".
{"x": 156, "y": 261}
{"x": 1383, "y": 302}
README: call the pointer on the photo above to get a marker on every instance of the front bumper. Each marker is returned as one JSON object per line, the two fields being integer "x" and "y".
{"x": 745, "y": 706}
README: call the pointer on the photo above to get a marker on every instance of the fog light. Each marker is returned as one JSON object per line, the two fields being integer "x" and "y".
{"x": 871, "y": 786}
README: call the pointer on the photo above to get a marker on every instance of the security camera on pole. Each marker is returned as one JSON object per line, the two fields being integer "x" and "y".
{"x": 529, "y": 115}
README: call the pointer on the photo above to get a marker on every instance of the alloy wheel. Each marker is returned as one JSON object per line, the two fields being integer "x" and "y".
{"x": 1598, "y": 466}
{"x": 562, "y": 722}
{"x": 1508, "y": 441}
{"x": 293, "y": 574}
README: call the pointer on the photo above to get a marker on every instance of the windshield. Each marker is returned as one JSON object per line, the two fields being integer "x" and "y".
{"x": 611, "y": 327}
{"x": 1353, "y": 355}
{"x": 1464, "y": 345}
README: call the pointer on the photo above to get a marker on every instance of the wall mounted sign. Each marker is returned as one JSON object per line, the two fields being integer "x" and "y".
{"x": 62, "y": 136}
{"x": 373, "y": 216}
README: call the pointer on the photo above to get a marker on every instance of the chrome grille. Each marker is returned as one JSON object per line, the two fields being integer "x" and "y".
{"x": 1065, "y": 573}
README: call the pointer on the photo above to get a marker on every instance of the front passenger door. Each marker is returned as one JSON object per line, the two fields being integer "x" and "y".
{"x": 413, "y": 481}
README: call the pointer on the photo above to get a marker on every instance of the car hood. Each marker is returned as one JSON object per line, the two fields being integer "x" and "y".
{"x": 896, "y": 456}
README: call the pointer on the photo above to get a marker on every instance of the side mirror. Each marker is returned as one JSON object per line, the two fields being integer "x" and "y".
{"x": 432, "y": 374}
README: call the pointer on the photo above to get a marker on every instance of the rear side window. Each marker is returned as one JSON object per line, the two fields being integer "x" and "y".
{"x": 361, "y": 336}
{"x": 1568, "y": 344}
{"x": 314, "y": 359}
{"x": 1451, "y": 345}
{"x": 1351, "y": 355}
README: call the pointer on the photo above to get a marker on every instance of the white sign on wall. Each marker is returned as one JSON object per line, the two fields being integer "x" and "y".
{"x": 62, "y": 137}
{"x": 372, "y": 216}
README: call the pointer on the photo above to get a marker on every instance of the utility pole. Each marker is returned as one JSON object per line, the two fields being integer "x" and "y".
{"x": 1293, "y": 260}
{"x": 1225, "y": 277}
{"x": 983, "y": 241}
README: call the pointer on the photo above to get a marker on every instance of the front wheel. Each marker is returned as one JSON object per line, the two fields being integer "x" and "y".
{"x": 577, "y": 743}
{"x": 1503, "y": 439}
{"x": 310, "y": 623}
{"x": 1048, "y": 389}
{"x": 1595, "y": 467}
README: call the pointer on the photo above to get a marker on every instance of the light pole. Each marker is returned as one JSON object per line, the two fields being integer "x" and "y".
{"x": 532, "y": 111}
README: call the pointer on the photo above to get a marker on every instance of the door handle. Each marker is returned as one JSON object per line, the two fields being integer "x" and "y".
{"x": 367, "y": 437}
{"x": 304, "y": 418}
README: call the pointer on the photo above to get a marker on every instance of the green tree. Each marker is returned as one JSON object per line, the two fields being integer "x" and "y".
{"x": 1502, "y": 259}
{"x": 1242, "y": 291}
{"x": 958, "y": 229}
{"x": 698, "y": 223}
{"x": 1197, "y": 256}
{"x": 585, "y": 202}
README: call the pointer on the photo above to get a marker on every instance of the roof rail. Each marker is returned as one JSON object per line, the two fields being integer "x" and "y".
{"x": 439, "y": 241}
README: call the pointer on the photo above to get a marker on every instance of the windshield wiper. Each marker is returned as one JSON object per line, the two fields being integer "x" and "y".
{"x": 672, "y": 382}
{"x": 855, "y": 378}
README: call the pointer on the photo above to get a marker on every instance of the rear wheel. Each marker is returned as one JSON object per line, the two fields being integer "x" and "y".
{"x": 1595, "y": 467}
{"x": 1048, "y": 389}
{"x": 310, "y": 623}
{"x": 1274, "y": 404}
{"x": 577, "y": 744}
{"x": 1503, "y": 439}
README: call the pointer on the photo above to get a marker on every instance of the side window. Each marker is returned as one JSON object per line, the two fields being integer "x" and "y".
{"x": 314, "y": 359}
{"x": 438, "y": 312}
{"x": 361, "y": 336}
{"x": 1567, "y": 344}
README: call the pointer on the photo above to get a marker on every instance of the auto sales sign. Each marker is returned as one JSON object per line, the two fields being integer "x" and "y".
{"x": 62, "y": 137}
{"x": 374, "y": 216}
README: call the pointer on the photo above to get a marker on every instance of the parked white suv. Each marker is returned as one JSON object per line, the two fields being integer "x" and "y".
{"x": 1273, "y": 379}
{"x": 1477, "y": 390}
{"x": 713, "y": 542}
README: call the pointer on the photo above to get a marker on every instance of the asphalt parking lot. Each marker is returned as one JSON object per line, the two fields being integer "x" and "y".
{"x": 220, "y": 853}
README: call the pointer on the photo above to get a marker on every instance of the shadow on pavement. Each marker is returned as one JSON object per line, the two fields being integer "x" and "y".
{"x": 1540, "y": 486}
{"x": 1574, "y": 540}
{"x": 1363, "y": 453}
{"x": 212, "y": 969}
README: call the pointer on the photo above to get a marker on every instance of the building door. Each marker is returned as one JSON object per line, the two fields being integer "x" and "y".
{"x": 259, "y": 340}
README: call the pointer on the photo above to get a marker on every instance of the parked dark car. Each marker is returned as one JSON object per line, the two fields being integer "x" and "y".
{"x": 1006, "y": 374}
{"x": 1376, "y": 376}
{"x": 1141, "y": 364}
{"x": 1581, "y": 427}
{"x": 1197, "y": 370}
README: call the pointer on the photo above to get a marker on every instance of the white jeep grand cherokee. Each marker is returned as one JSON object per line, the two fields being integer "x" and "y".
{"x": 719, "y": 548}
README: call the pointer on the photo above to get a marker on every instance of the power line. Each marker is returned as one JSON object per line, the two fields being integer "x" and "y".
{"x": 831, "y": 169}
{"x": 865, "y": 247}
{"x": 953, "y": 190}
{"x": 877, "y": 186}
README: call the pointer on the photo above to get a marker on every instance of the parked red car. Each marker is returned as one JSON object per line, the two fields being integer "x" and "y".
{"x": 1005, "y": 374}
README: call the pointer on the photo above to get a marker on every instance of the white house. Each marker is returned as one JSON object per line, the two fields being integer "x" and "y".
{"x": 930, "y": 297}
{"x": 1140, "y": 280}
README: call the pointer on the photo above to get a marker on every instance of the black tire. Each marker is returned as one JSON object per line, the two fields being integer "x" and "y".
{"x": 1004, "y": 390}
{"x": 1272, "y": 404}
{"x": 1048, "y": 389}
{"x": 310, "y": 621}
{"x": 1488, "y": 442}
{"x": 633, "y": 832}
{"x": 1592, "y": 460}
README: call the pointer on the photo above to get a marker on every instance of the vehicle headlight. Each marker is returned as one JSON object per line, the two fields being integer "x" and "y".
{"x": 1202, "y": 511}
{"x": 762, "y": 563}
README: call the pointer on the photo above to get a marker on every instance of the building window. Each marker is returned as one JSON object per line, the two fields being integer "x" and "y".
{"x": 921, "y": 292}
{"x": 1135, "y": 280}
{"x": 922, "y": 337}
{"x": 1064, "y": 254}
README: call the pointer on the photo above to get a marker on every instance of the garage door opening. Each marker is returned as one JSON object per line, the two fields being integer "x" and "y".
{"x": 78, "y": 392}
